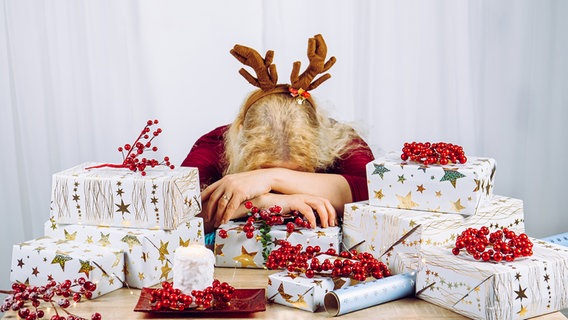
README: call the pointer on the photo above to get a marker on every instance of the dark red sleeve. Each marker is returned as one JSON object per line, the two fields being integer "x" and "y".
{"x": 206, "y": 155}
{"x": 352, "y": 168}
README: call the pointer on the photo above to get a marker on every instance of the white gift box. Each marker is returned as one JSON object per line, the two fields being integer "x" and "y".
{"x": 525, "y": 288}
{"x": 44, "y": 259}
{"x": 298, "y": 291}
{"x": 236, "y": 250}
{"x": 148, "y": 253}
{"x": 452, "y": 188}
{"x": 383, "y": 231}
{"x": 162, "y": 199}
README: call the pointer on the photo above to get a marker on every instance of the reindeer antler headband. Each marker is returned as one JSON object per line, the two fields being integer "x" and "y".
{"x": 267, "y": 77}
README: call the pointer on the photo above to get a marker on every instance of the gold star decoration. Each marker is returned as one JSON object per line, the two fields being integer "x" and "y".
{"x": 104, "y": 240}
{"x": 122, "y": 207}
{"x": 246, "y": 259}
{"x": 89, "y": 239}
{"x": 521, "y": 293}
{"x": 154, "y": 200}
{"x": 523, "y": 311}
{"x": 183, "y": 243}
{"x": 457, "y": 206}
{"x": 141, "y": 276}
{"x": 35, "y": 271}
{"x": 76, "y": 197}
{"x": 406, "y": 201}
{"x": 61, "y": 259}
{"x": 86, "y": 267}
{"x": 163, "y": 250}
{"x": 477, "y": 185}
{"x": 119, "y": 192}
{"x": 420, "y": 188}
{"x": 517, "y": 276}
{"x": 144, "y": 256}
{"x": 166, "y": 269}
{"x": 69, "y": 236}
{"x": 131, "y": 241}
{"x": 118, "y": 256}
{"x": 219, "y": 249}
{"x": 438, "y": 194}
{"x": 379, "y": 194}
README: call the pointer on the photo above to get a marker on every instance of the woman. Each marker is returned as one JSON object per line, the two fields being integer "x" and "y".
{"x": 281, "y": 149}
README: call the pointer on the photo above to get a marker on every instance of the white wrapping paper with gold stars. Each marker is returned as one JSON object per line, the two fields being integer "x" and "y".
{"x": 44, "y": 259}
{"x": 148, "y": 253}
{"x": 162, "y": 199}
{"x": 378, "y": 230}
{"x": 525, "y": 288}
{"x": 298, "y": 291}
{"x": 236, "y": 250}
{"x": 453, "y": 188}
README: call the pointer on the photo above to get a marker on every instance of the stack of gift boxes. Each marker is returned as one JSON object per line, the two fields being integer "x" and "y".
{"x": 411, "y": 222}
{"x": 114, "y": 227}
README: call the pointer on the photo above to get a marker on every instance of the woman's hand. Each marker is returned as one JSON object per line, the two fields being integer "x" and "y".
{"x": 222, "y": 199}
{"x": 308, "y": 205}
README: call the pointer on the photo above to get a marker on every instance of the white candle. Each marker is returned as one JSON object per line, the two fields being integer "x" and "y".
{"x": 193, "y": 268}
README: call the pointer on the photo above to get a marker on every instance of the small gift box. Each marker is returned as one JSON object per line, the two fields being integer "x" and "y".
{"x": 44, "y": 259}
{"x": 452, "y": 188}
{"x": 381, "y": 230}
{"x": 524, "y": 288}
{"x": 148, "y": 253}
{"x": 161, "y": 199}
{"x": 298, "y": 291}
{"x": 236, "y": 250}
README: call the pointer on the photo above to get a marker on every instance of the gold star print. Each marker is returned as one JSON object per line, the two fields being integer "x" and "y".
{"x": 86, "y": 267}
{"x": 69, "y": 236}
{"x": 154, "y": 200}
{"x": 104, "y": 240}
{"x": 546, "y": 277}
{"x": 457, "y": 206}
{"x": 246, "y": 258}
{"x": 318, "y": 283}
{"x": 163, "y": 250}
{"x": 61, "y": 259}
{"x": 321, "y": 234}
{"x": 39, "y": 249}
{"x": 477, "y": 185}
{"x": 521, "y": 293}
{"x": 141, "y": 276}
{"x": 354, "y": 207}
{"x": 379, "y": 194}
{"x": 144, "y": 256}
{"x": 131, "y": 241}
{"x": 76, "y": 197}
{"x": 517, "y": 276}
{"x": 523, "y": 311}
{"x": 89, "y": 239}
{"x": 111, "y": 281}
{"x": 406, "y": 201}
{"x": 219, "y": 249}
{"x": 438, "y": 194}
{"x": 119, "y": 192}
{"x": 420, "y": 188}
{"x": 122, "y": 207}
{"x": 118, "y": 256}
{"x": 165, "y": 272}
{"x": 53, "y": 224}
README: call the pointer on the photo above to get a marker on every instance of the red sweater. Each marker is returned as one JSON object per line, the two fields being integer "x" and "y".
{"x": 207, "y": 152}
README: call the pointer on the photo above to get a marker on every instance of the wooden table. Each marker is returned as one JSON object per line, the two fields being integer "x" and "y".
{"x": 119, "y": 304}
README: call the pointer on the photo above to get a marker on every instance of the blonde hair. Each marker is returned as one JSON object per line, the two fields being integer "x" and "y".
{"x": 277, "y": 128}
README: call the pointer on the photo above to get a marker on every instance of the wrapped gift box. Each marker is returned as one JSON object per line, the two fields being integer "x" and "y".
{"x": 453, "y": 188}
{"x": 236, "y": 250}
{"x": 162, "y": 199}
{"x": 298, "y": 291}
{"x": 148, "y": 253}
{"x": 525, "y": 288}
{"x": 43, "y": 259}
{"x": 380, "y": 230}
{"x": 561, "y": 239}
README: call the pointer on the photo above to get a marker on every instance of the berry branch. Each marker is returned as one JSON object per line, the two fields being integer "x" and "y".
{"x": 216, "y": 296}
{"x": 432, "y": 153}
{"x": 141, "y": 144}
{"x": 18, "y": 298}
{"x": 501, "y": 244}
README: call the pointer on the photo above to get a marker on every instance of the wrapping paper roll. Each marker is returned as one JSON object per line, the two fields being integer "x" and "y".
{"x": 368, "y": 294}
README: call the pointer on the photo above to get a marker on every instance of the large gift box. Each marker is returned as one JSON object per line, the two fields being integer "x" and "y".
{"x": 161, "y": 199}
{"x": 452, "y": 188}
{"x": 236, "y": 250}
{"x": 44, "y": 259}
{"x": 525, "y": 288}
{"x": 383, "y": 231}
{"x": 148, "y": 253}
{"x": 298, "y": 291}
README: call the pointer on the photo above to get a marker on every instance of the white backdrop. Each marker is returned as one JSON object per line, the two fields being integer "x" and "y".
{"x": 80, "y": 78}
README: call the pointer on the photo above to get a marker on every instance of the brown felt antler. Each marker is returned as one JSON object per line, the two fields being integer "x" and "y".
{"x": 317, "y": 50}
{"x": 266, "y": 75}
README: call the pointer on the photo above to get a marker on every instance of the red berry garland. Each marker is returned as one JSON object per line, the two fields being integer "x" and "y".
{"x": 431, "y": 153}
{"x": 500, "y": 245}
{"x": 21, "y": 294}
{"x": 141, "y": 144}
{"x": 352, "y": 264}
{"x": 217, "y": 296}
